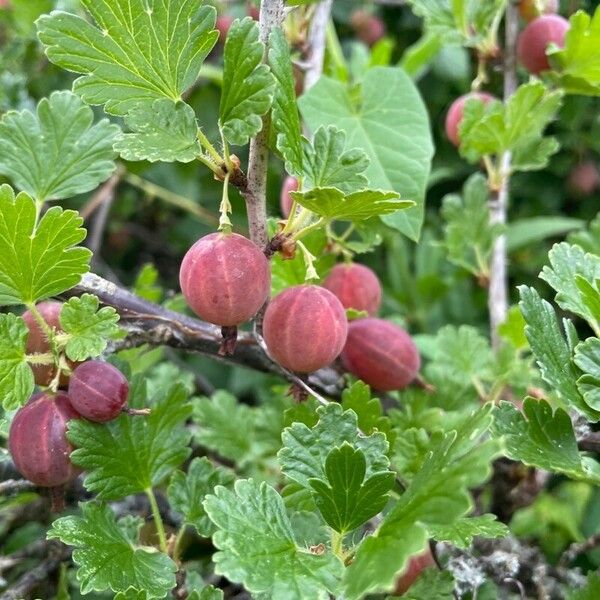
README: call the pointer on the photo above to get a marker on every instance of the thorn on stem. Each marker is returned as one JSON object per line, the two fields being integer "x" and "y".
{"x": 424, "y": 385}
{"x": 136, "y": 412}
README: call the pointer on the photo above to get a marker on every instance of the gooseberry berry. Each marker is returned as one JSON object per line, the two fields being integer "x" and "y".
{"x": 305, "y": 328}
{"x": 380, "y": 353}
{"x": 98, "y": 391}
{"x": 355, "y": 286}
{"x": 535, "y": 39}
{"x": 38, "y": 443}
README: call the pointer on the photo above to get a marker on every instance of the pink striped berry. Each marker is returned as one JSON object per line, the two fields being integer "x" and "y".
{"x": 305, "y": 328}
{"x": 98, "y": 391}
{"x": 225, "y": 278}
{"x": 381, "y": 354}
{"x": 355, "y": 286}
{"x": 38, "y": 443}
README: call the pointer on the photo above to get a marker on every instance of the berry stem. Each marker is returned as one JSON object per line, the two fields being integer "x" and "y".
{"x": 177, "y": 545}
{"x": 337, "y": 545}
{"x": 50, "y": 336}
{"x": 309, "y": 261}
{"x": 158, "y": 522}
{"x": 230, "y": 166}
{"x": 335, "y": 52}
{"x": 42, "y": 358}
{"x": 212, "y": 151}
{"x": 306, "y": 230}
{"x": 225, "y": 207}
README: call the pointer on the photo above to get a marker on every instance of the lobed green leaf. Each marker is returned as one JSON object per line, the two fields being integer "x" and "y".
{"x": 257, "y": 546}
{"x": 578, "y": 62}
{"x": 573, "y": 274}
{"x": 463, "y": 530}
{"x": 132, "y": 454}
{"x": 57, "y": 152}
{"x": 106, "y": 557}
{"x": 332, "y": 203}
{"x": 328, "y": 162}
{"x": 305, "y": 449}
{"x": 552, "y": 352}
{"x": 161, "y": 131}
{"x": 346, "y": 499}
{"x": 437, "y": 495}
{"x": 392, "y": 129}
{"x": 187, "y": 492}
{"x": 285, "y": 119}
{"x": 89, "y": 327}
{"x": 16, "y": 377}
{"x": 138, "y": 50}
{"x": 38, "y": 258}
{"x": 248, "y": 85}
{"x": 544, "y": 439}
{"x": 468, "y": 233}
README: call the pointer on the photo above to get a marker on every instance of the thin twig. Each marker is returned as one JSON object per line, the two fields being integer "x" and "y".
{"x": 574, "y": 550}
{"x": 39, "y": 574}
{"x": 156, "y": 191}
{"x": 94, "y": 240}
{"x": 103, "y": 193}
{"x": 14, "y": 486}
{"x": 590, "y": 442}
{"x": 498, "y": 294}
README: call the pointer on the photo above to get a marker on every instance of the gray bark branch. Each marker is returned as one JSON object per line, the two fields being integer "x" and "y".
{"x": 149, "y": 323}
{"x": 498, "y": 288}
{"x": 255, "y": 195}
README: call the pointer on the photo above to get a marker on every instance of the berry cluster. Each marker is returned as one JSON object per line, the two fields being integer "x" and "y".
{"x": 543, "y": 30}
{"x": 94, "y": 390}
{"x": 225, "y": 279}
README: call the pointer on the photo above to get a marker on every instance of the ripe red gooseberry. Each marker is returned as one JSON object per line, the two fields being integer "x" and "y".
{"x": 535, "y": 39}
{"x": 305, "y": 328}
{"x": 531, "y": 9}
{"x": 38, "y": 443}
{"x": 290, "y": 184}
{"x": 225, "y": 278}
{"x": 98, "y": 391}
{"x": 355, "y": 286}
{"x": 380, "y": 353}
{"x": 456, "y": 113}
